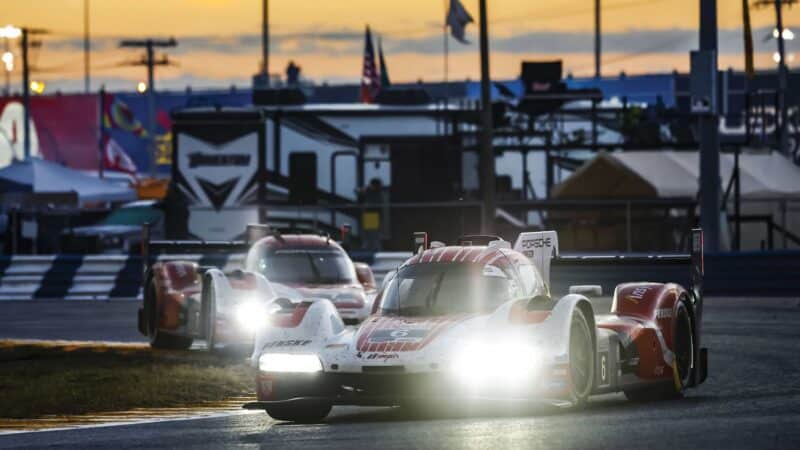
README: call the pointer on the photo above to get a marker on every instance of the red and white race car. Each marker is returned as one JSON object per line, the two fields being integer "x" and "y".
{"x": 479, "y": 321}
{"x": 184, "y": 299}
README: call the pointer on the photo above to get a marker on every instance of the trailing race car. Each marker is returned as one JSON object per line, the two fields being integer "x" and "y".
{"x": 185, "y": 299}
{"x": 478, "y": 321}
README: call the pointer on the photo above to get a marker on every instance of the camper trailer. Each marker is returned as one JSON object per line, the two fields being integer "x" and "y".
{"x": 282, "y": 164}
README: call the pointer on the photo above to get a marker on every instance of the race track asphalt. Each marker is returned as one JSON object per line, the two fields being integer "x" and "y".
{"x": 750, "y": 400}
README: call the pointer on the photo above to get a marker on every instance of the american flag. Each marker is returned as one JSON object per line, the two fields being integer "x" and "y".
{"x": 370, "y": 79}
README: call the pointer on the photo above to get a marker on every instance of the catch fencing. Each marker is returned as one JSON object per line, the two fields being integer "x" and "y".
{"x": 110, "y": 277}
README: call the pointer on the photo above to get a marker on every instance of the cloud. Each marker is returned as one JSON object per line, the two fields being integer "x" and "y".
{"x": 350, "y": 41}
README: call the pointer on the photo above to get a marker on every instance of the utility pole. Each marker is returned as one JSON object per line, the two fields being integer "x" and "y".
{"x": 26, "y": 34}
{"x": 598, "y": 43}
{"x": 265, "y": 39}
{"x": 710, "y": 193}
{"x": 149, "y": 60}
{"x": 86, "y": 49}
{"x": 486, "y": 159}
{"x": 26, "y": 96}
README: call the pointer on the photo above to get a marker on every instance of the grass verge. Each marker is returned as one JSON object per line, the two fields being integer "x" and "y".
{"x": 42, "y": 379}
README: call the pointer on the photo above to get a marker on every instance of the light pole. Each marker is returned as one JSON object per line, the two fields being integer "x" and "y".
{"x": 8, "y": 62}
{"x": 782, "y": 80}
{"x": 486, "y": 159}
{"x": 86, "y": 45}
{"x": 26, "y": 97}
{"x": 710, "y": 194}
{"x": 265, "y": 39}
{"x": 597, "y": 40}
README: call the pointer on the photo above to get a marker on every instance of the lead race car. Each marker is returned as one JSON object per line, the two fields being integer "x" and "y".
{"x": 193, "y": 297}
{"x": 479, "y": 321}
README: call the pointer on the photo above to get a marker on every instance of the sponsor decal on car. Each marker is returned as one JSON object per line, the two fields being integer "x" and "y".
{"x": 288, "y": 343}
{"x": 665, "y": 313}
{"x": 394, "y": 335}
{"x": 381, "y": 356}
{"x": 411, "y": 335}
{"x": 637, "y": 294}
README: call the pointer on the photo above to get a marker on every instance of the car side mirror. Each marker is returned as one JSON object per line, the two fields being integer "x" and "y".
{"x": 587, "y": 290}
{"x": 365, "y": 276}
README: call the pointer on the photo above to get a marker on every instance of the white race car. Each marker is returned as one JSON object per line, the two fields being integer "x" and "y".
{"x": 478, "y": 321}
{"x": 189, "y": 299}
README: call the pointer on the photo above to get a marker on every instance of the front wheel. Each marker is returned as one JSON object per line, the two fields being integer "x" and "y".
{"x": 581, "y": 358}
{"x": 300, "y": 412}
{"x": 159, "y": 339}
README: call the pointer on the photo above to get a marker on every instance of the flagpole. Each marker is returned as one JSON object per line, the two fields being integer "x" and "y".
{"x": 446, "y": 52}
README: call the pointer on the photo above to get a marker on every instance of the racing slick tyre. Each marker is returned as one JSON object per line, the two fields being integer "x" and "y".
{"x": 581, "y": 359}
{"x": 683, "y": 348}
{"x": 300, "y": 412}
{"x": 210, "y": 302}
{"x": 159, "y": 339}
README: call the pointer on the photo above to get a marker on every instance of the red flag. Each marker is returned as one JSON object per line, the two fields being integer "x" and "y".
{"x": 115, "y": 158}
{"x": 370, "y": 79}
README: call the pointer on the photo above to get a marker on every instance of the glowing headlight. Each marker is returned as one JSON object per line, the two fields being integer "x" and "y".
{"x": 499, "y": 362}
{"x": 251, "y": 315}
{"x": 283, "y": 362}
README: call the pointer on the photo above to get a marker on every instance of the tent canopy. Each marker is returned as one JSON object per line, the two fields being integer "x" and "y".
{"x": 40, "y": 176}
{"x": 663, "y": 174}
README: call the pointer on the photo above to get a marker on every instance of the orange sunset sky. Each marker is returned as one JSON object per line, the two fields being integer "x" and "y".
{"x": 219, "y": 40}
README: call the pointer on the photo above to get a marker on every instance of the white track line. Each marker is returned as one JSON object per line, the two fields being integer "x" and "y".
{"x": 147, "y": 420}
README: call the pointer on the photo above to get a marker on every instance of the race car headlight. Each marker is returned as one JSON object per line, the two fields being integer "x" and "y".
{"x": 509, "y": 362}
{"x": 284, "y": 362}
{"x": 251, "y": 315}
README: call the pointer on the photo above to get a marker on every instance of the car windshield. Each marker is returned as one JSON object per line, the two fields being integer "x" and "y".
{"x": 133, "y": 216}
{"x": 307, "y": 266}
{"x": 445, "y": 289}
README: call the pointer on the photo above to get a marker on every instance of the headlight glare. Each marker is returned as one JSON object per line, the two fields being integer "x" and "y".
{"x": 285, "y": 362}
{"x": 510, "y": 362}
{"x": 251, "y": 315}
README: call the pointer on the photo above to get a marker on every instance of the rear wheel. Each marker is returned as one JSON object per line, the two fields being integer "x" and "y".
{"x": 683, "y": 348}
{"x": 581, "y": 358}
{"x": 301, "y": 412}
{"x": 159, "y": 339}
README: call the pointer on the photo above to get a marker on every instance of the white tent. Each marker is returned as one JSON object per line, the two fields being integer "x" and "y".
{"x": 764, "y": 175}
{"x": 40, "y": 176}
{"x": 676, "y": 174}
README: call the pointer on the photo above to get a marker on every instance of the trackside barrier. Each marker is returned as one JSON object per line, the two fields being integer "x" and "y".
{"x": 105, "y": 277}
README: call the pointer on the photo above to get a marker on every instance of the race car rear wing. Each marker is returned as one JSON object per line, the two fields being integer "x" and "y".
{"x": 153, "y": 248}
{"x": 542, "y": 249}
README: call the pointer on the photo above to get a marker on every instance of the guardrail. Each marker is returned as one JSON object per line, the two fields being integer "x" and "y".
{"x": 108, "y": 277}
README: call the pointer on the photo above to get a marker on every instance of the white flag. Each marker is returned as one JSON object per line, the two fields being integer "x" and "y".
{"x": 457, "y": 20}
